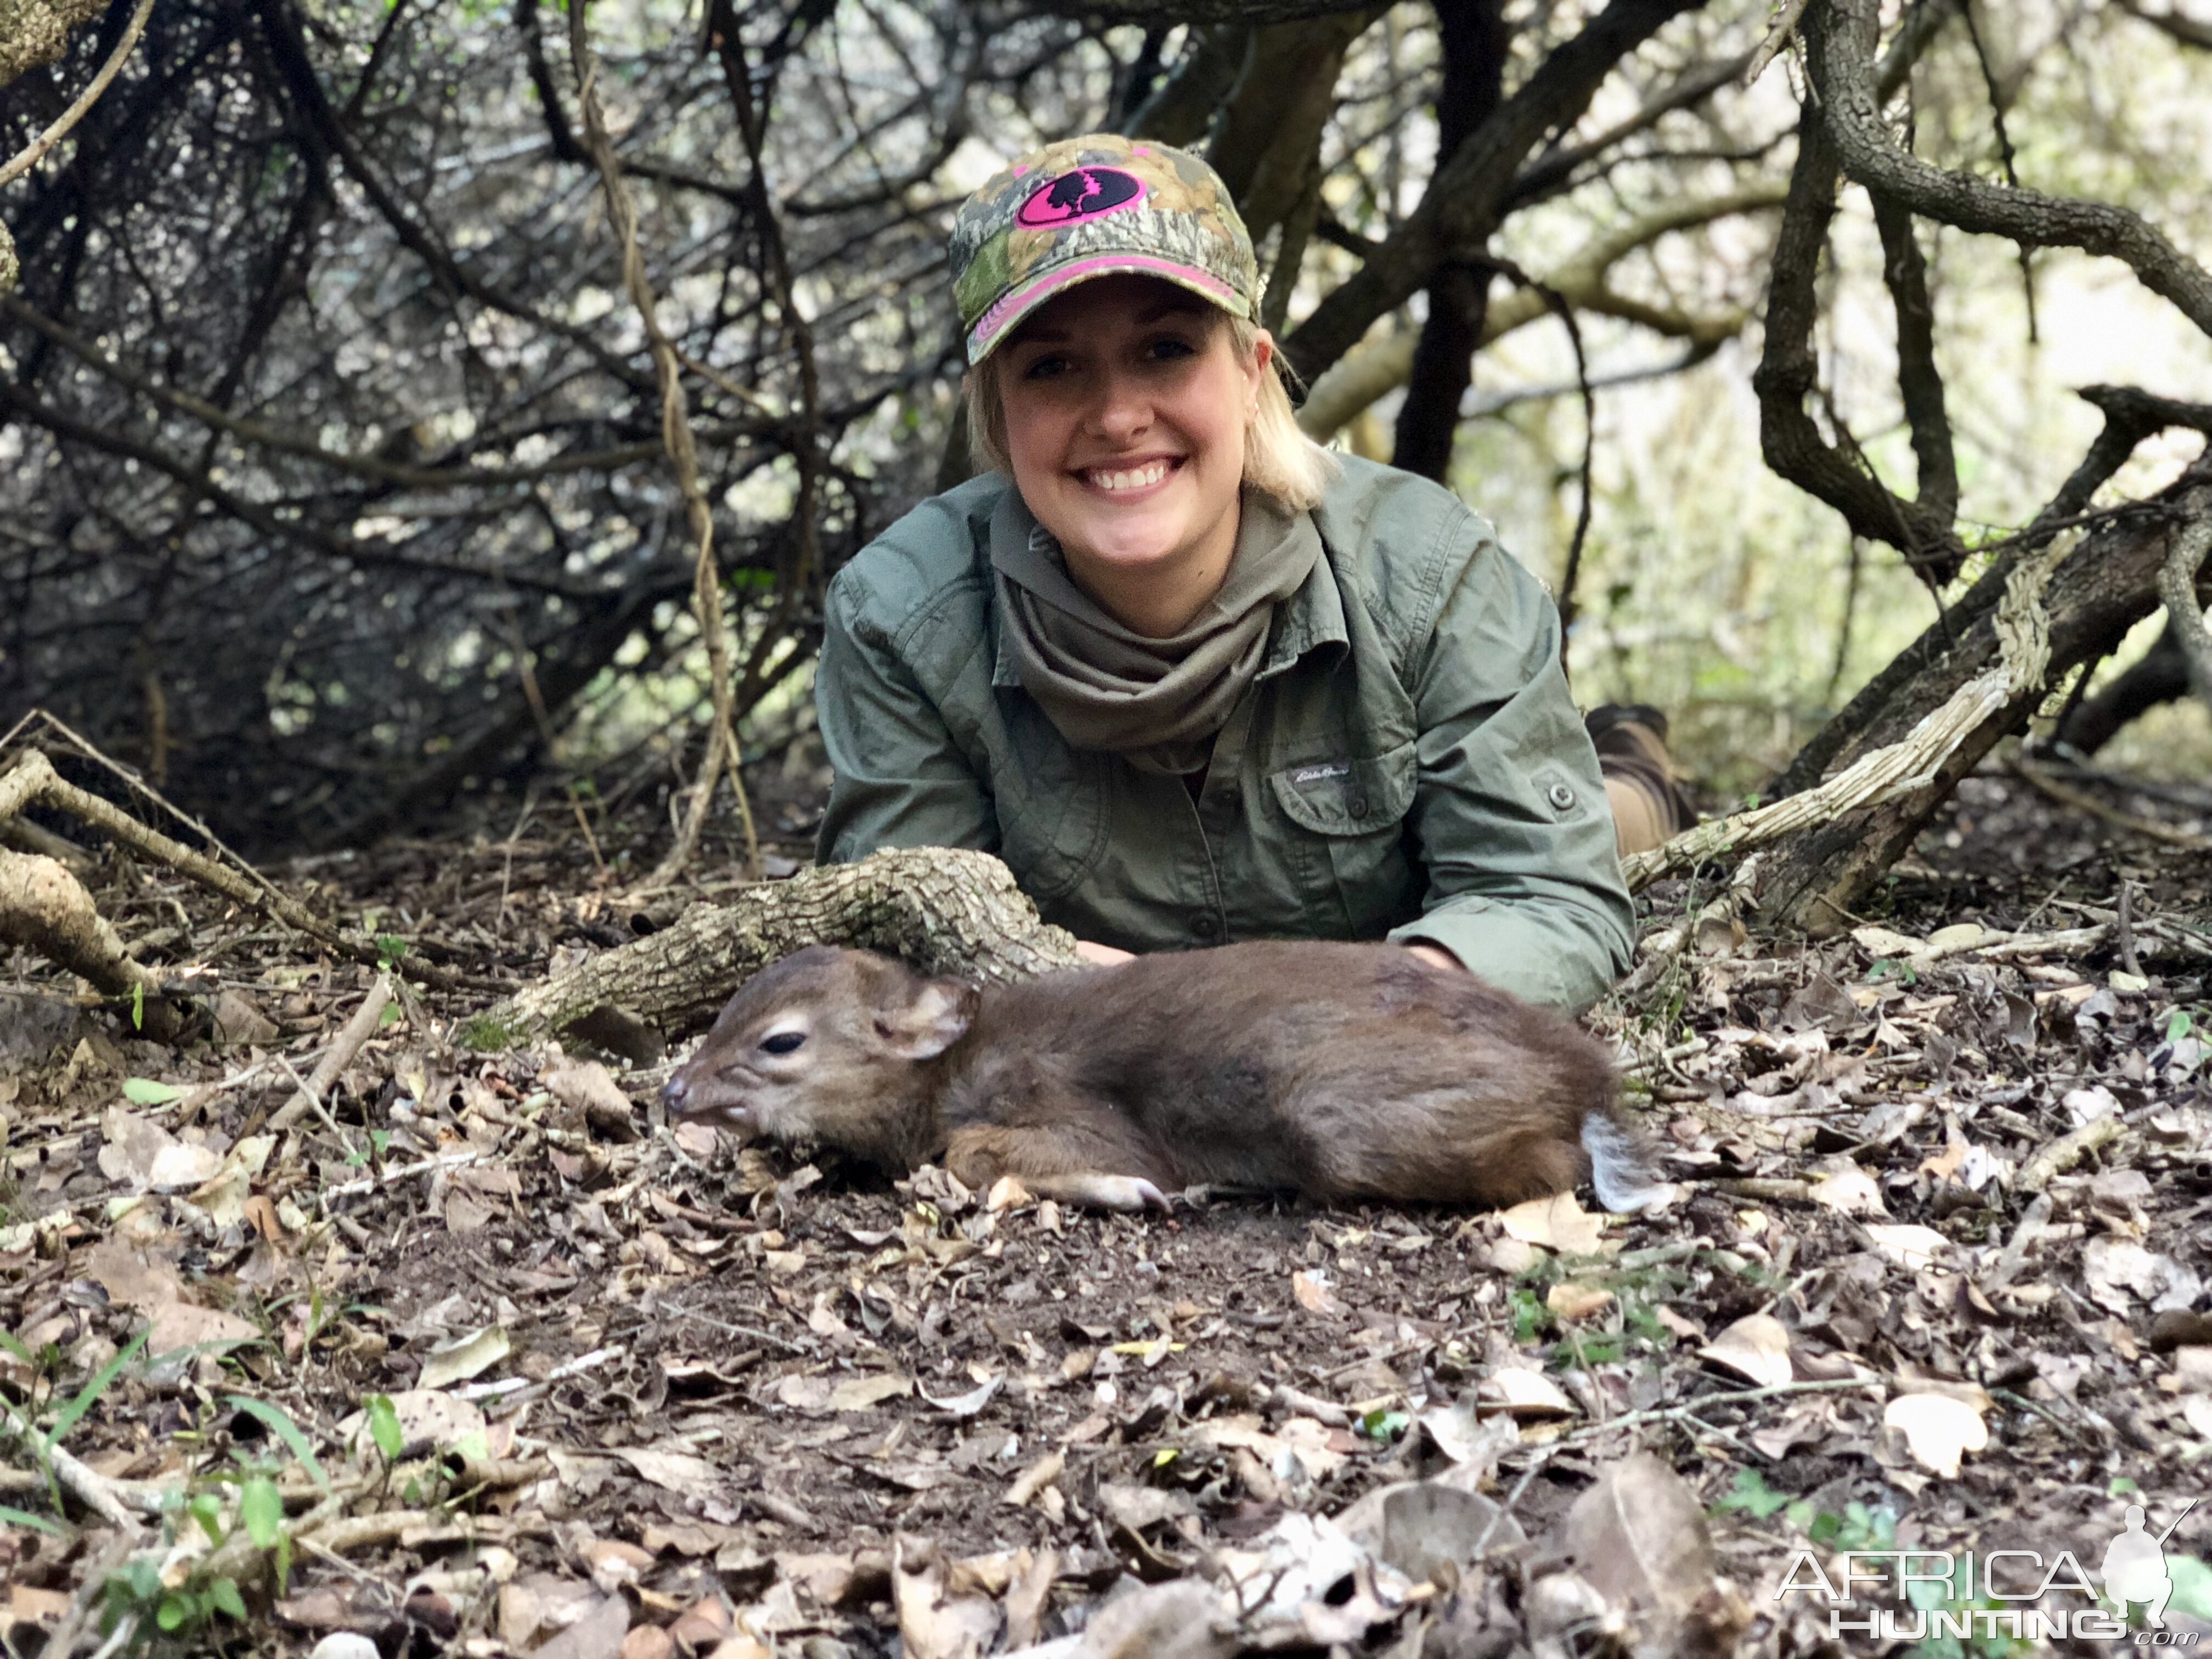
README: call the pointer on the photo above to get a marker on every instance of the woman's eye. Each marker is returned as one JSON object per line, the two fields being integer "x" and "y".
{"x": 1169, "y": 347}
{"x": 782, "y": 1043}
{"x": 1046, "y": 368}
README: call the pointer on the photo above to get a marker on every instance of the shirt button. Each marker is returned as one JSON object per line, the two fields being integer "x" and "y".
{"x": 1205, "y": 927}
{"x": 1562, "y": 797}
{"x": 1358, "y": 805}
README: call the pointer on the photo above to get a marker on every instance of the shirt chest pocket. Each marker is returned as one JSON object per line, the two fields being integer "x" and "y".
{"x": 1350, "y": 814}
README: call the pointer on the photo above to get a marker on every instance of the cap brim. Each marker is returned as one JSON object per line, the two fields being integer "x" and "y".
{"x": 1006, "y": 312}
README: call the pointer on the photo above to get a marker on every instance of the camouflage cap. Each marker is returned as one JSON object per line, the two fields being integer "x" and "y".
{"x": 1095, "y": 206}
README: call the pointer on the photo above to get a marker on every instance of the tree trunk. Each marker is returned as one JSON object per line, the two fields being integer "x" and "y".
{"x": 2103, "y": 586}
{"x": 944, "y": 910}
{"x": 1475, "y": 40}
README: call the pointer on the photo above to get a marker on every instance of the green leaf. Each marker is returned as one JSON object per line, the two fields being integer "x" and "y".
{"x": 1384, "y": 1425}
{"x": 2178, "y": 1025}
{"x": 138, "y": 1008}
{"x": 223, "y": 1593}
{"x": 383, "y": 1426}
{"x": 286, "y": 1431}
{"x": 261, "y": 1509}
{"x": 175, "y": 1612}
{"x": 16, "y": 1517}
{"x": 141, "y": 1581}
{"x": 144, "y": 1092}
{"x": 11, "y": 1345}
{"x": 207, "y": 1510}
{"x": 92, "y": 1391}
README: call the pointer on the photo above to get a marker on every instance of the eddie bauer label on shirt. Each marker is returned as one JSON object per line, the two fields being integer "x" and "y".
{"x": 1315, "y": 774}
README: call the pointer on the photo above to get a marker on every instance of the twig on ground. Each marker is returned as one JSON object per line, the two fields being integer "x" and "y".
{"x": 2063, "y": 1153}
{"x": 90, "y": 1488}
{"x": 2123, "y": 933}
{"x": 33, "y": 779}
{"x": 358, "y": 1029}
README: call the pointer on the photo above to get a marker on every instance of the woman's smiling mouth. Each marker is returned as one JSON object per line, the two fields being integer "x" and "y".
{"x": 1128, "y": 479}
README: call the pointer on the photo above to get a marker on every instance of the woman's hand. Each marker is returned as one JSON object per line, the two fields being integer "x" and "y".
{"x": 1434, "y": 955}
{"x": 1101, "y": 956}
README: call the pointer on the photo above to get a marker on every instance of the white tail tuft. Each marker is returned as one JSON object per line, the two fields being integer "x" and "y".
{"x": 1620, "y": 1169}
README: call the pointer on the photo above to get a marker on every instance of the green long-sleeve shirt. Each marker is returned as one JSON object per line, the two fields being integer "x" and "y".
{"x": 1407, "y": 763}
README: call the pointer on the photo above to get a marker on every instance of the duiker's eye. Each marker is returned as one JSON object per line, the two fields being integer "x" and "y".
{"x": 782, "y": 1043}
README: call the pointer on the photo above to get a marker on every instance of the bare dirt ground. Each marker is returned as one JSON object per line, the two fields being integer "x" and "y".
{"x": 478, "y": 1358}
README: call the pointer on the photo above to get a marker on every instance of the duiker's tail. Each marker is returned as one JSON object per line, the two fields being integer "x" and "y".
{"x": 1621, "y": 1165}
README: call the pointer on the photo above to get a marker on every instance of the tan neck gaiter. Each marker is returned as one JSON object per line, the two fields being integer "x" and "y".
{"x": 1155, "y": 702}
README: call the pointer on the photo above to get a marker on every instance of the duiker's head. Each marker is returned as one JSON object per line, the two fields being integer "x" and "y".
{"x": 823, "y": 1045}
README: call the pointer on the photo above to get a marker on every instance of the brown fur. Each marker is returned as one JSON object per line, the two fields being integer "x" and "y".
{"x": 1339, "y": 1071}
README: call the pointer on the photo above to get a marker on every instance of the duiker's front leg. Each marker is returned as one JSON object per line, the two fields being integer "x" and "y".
{"x": 1104, "y": 1166}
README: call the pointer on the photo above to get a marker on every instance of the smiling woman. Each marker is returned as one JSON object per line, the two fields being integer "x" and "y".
{"x": 1195, "y": 678}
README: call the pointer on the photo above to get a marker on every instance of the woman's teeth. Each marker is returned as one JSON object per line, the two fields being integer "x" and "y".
{"x": 1139, "y": 477}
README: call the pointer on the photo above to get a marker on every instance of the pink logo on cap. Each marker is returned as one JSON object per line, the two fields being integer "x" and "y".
{"x": 1084, "y": 193}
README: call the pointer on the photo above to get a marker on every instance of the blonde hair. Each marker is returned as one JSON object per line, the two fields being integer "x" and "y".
{"x": 1280, "y": 459}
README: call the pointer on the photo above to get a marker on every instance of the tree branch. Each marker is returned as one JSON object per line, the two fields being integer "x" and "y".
{"x": 1466, "y": 195}
{"x": 2130, "y": 416}
{"x": 1840, "y": 36}
{"x": 1788, "y": 376}
{"x": 1377, "y": 367}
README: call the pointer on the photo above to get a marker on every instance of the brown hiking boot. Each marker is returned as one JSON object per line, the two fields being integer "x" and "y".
{"x": 1649, "y": 807}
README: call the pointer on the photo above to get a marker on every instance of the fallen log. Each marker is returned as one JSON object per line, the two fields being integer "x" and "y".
{"x": 945, "y": 910}
{"x": 2105, "y": 585}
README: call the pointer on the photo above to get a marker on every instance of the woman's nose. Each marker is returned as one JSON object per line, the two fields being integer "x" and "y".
{"x": 1123, "y": 410}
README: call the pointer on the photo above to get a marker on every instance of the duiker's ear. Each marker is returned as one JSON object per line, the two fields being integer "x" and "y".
{"x": 930, "y": 1021}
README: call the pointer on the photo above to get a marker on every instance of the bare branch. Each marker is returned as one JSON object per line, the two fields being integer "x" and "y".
{"x": 1377, "y": 366}
{"x": 1841, "y": 36}
{"x": 1200, "y": 12}
{"x": 1788, "y": 376}
{"x": 2176, "y": 587}
{"x": 1466, "y": 195}
{"x": 2175, "y": 24}
{"x": 675, "y": 434}
{"x": 35, "y": 151}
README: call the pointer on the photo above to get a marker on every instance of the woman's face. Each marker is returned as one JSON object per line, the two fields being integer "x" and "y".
{"x": 1126, "y": 405}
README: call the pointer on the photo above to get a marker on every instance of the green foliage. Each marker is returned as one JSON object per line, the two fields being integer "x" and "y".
{"x": 89, "y": 1395}
{"x": 1857, "y": 1528}
{"x": 1384, "y": 1426}
{"x": 135, "y": 1592}
{"x": 1752, "y": 1495}
{"x": 285, "y": 1429}
{"x": 390, "y": 948}
{"x": 483, "y": 1035}
{"x": 383, "y": 1426}
{"x": 144, "y": 1092}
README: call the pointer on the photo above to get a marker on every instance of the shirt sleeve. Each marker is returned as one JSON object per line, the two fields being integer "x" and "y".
{"x": 1524, "y": 884}
{"x": 898, "y": 778}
